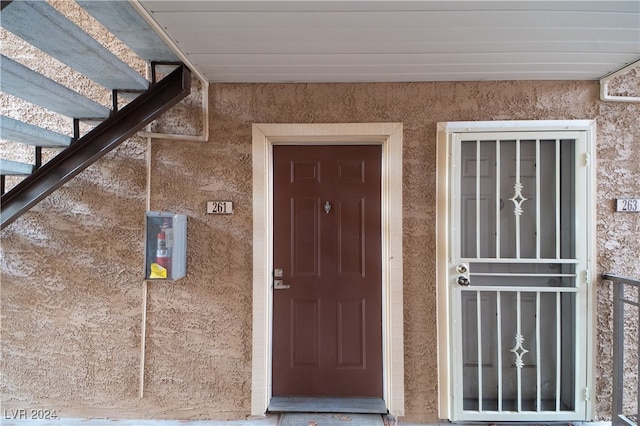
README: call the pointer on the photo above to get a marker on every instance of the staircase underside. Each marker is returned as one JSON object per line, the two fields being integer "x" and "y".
{"x": 120, "y": 126}
{"x": 43, "y": 26}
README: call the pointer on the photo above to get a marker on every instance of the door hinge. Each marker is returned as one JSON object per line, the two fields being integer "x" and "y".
{"x": 587, "y": 395}
{"x": 587, "y": 159}
{"x": 587, "y": 276}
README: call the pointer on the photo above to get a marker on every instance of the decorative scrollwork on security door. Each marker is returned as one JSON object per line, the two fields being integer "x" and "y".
{"x": 519, "y": 351}
{"x": 518, "y": 199}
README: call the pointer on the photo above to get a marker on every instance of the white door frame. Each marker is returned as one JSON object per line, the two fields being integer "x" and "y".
{"x": 445, "y": 134}
{"x": 389, "y": 136}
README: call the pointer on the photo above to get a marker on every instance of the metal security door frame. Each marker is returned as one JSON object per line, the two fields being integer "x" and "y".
{"x": 450, "y": 400}
{"x": 389, "y": 136}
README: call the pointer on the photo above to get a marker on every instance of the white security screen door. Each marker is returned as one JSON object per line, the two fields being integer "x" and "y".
{"x": 517, "y": 275}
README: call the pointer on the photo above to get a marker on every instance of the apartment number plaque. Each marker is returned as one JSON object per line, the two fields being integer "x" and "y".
{"x": 220, "y": 207}
{"x": 628, "y": 205}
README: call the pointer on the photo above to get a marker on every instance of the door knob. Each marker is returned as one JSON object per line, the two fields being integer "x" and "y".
{"x": 463, "y": 281}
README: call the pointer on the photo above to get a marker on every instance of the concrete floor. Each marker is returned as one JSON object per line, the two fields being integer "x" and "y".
{"x": 271, "y": 420}
{"x": 268, "y": 421}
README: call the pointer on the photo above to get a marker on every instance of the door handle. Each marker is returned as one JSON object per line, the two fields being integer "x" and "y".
{"x": 280, "y": 285}
{"x": 463, "y": 281}
{"x": 278, "y": 282}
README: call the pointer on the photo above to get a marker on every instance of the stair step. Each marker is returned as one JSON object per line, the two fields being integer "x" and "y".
{"x": 24, "y": 83}
{"x": 15, "y": 168}
{"x": 123, "y": 20}
{"x": 44, "y": 27}
{"x": 92, "y": 146}
{"x": 17, "y": 131}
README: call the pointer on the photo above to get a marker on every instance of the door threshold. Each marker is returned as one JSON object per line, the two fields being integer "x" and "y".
{"x": 330, "y": 419}
{"x": 300, "y": 404}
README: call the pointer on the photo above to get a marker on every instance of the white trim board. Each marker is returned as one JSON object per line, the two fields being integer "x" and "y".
{"x": 389, "y": 136}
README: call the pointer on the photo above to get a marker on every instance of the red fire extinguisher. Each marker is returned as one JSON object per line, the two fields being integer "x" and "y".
{"x": 162, "y": 254}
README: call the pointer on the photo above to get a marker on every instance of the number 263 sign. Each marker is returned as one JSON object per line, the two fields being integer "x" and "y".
{"x": 628, "y": 205}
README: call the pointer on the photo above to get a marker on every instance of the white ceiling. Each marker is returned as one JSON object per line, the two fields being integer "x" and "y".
{"x": 382, "y": 41}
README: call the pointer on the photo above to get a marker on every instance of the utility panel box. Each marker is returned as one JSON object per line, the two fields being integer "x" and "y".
{"x": 165, "y": 246}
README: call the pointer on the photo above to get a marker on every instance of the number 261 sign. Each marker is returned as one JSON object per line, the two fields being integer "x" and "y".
{"x": 220, "y": 207}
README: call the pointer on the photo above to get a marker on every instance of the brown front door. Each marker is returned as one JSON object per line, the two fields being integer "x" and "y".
{"x": 327, "y": 325}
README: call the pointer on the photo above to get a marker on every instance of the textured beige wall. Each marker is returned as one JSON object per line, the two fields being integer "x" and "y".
{"x": 72, "y": 267}
{"x": 618, "y": 234}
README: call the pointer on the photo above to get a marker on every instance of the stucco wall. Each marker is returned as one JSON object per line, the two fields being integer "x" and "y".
{"x": 72, "y": 267}
{"x": 618, "y": 235}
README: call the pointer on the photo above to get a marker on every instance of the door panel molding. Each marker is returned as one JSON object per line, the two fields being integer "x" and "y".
{"x": 389, "y": 136}
{"x": 449, "y": 152}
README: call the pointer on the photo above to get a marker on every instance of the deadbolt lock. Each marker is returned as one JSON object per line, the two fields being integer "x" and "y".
{"x": 463, "y": 281}
{"x": 462, "y": 269}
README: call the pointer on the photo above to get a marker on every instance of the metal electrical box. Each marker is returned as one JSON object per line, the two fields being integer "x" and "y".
{"x": 165, "y": 246}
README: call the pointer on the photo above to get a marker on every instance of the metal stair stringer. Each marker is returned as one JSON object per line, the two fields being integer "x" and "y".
{"x": 120, "y": 126}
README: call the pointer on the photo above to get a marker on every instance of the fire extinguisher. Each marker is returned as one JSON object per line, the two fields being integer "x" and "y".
{"x": 168, "y": 236}
{"x": 162, "y": 254}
